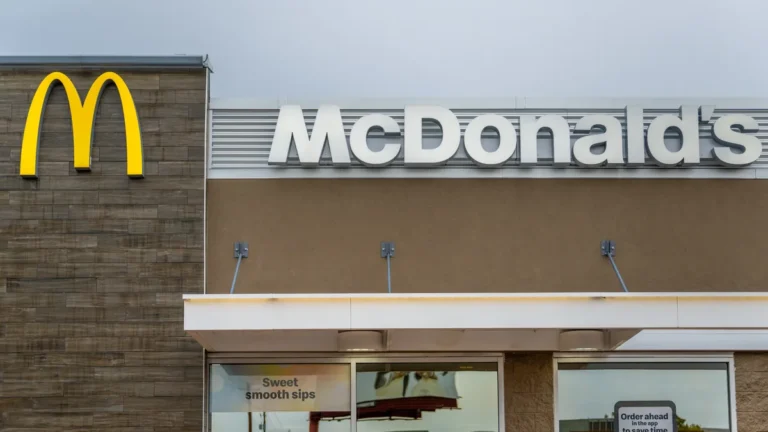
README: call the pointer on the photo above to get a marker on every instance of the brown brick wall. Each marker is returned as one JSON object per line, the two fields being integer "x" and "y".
{"x": 752, "y": 391}
{"x": 93, "y": 265}
{"x": 528, "y": 393}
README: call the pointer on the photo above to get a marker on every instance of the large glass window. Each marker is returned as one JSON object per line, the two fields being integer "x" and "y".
{"x": 380, "y": 395}
{"x": 587, "y": 393}
{"x": 434, "y": 397}
{"x": 279, "y": 397}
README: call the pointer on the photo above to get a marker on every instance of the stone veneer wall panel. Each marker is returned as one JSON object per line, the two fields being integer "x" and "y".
{"x": 751, "y": 376}
{"x": 93, "y": 265}
{"x": 528, "y": 392}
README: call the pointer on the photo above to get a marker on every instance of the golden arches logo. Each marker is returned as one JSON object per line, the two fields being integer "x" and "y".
{"x": 83, "y": 116}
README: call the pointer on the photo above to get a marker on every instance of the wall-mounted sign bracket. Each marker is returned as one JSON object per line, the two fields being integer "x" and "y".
{"x": 241, "y": 251}
{"x": 608, "y": 248}
{"x": 388, "y": 252}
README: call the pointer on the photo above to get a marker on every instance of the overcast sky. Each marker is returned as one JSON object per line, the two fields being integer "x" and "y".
{"x": 421, "y": 48}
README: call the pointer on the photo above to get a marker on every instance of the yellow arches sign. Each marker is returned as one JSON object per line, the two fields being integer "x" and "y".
{"x": 83, "y": 115}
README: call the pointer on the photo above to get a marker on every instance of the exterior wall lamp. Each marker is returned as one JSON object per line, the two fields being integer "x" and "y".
{"x": 581, "y": 340}
{"x": 360, "y": 340}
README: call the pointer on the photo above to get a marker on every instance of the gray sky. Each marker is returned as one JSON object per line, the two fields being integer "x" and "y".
{"x": 421, "y": 48}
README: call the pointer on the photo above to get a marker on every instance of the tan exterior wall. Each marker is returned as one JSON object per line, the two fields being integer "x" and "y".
{"x": 752, "y": 391}
{"x": 528, "y": 393}
{"x": 535, "y": 235}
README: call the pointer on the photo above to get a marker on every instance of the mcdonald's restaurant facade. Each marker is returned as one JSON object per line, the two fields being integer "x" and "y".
{"x": 175, "y": 262}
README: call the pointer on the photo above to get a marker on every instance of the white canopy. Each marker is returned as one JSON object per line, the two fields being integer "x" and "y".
{"x": 480, "y": 322}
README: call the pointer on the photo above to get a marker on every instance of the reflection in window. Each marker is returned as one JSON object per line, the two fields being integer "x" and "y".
{"x": 434, "y": 397}
{"x": 280, "y": 398}
{"x": 587, "y": 393}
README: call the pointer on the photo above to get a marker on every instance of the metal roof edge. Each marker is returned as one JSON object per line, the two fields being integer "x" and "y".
{"x": 101, "y": 61}
{"x": 590, "y": 296}
{"x": 489, "y": 103}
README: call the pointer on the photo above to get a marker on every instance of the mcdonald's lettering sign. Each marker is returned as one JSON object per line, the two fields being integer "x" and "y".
{"x": 83, "y": 115}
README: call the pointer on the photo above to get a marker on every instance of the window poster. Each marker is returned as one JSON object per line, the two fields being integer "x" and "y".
{"x": 645, "y": 416}
{"x": 279, "y": 387}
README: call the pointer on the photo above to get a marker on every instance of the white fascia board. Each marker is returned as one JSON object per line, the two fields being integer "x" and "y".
{"x": 256, "y": 312}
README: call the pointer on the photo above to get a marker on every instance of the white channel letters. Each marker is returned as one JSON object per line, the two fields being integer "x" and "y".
{"x": 604, "y": 144}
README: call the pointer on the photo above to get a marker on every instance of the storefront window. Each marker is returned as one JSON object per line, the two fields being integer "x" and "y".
{"x": 280, "y": 397}
{"x": 588, "y": 392}
{"x": 443, "y": 397}
{"x": 389, "y": 397}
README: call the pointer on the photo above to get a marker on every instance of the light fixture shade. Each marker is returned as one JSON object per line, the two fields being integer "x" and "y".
{"x": 582, "y": 340}
{"x": 360, "y": 340}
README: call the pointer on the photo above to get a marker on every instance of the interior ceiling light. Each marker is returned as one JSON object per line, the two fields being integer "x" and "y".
{"x": 360, "y": 340}
{"x": 581, "y": 340}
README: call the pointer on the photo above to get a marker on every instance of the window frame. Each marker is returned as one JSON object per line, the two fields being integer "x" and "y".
{"x": 614, "y": 357}
{"x": 352, "y": 360}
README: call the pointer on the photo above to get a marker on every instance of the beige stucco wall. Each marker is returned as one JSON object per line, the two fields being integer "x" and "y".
{"x": 752, "y": 391}
{"x": 528, "y": 393}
